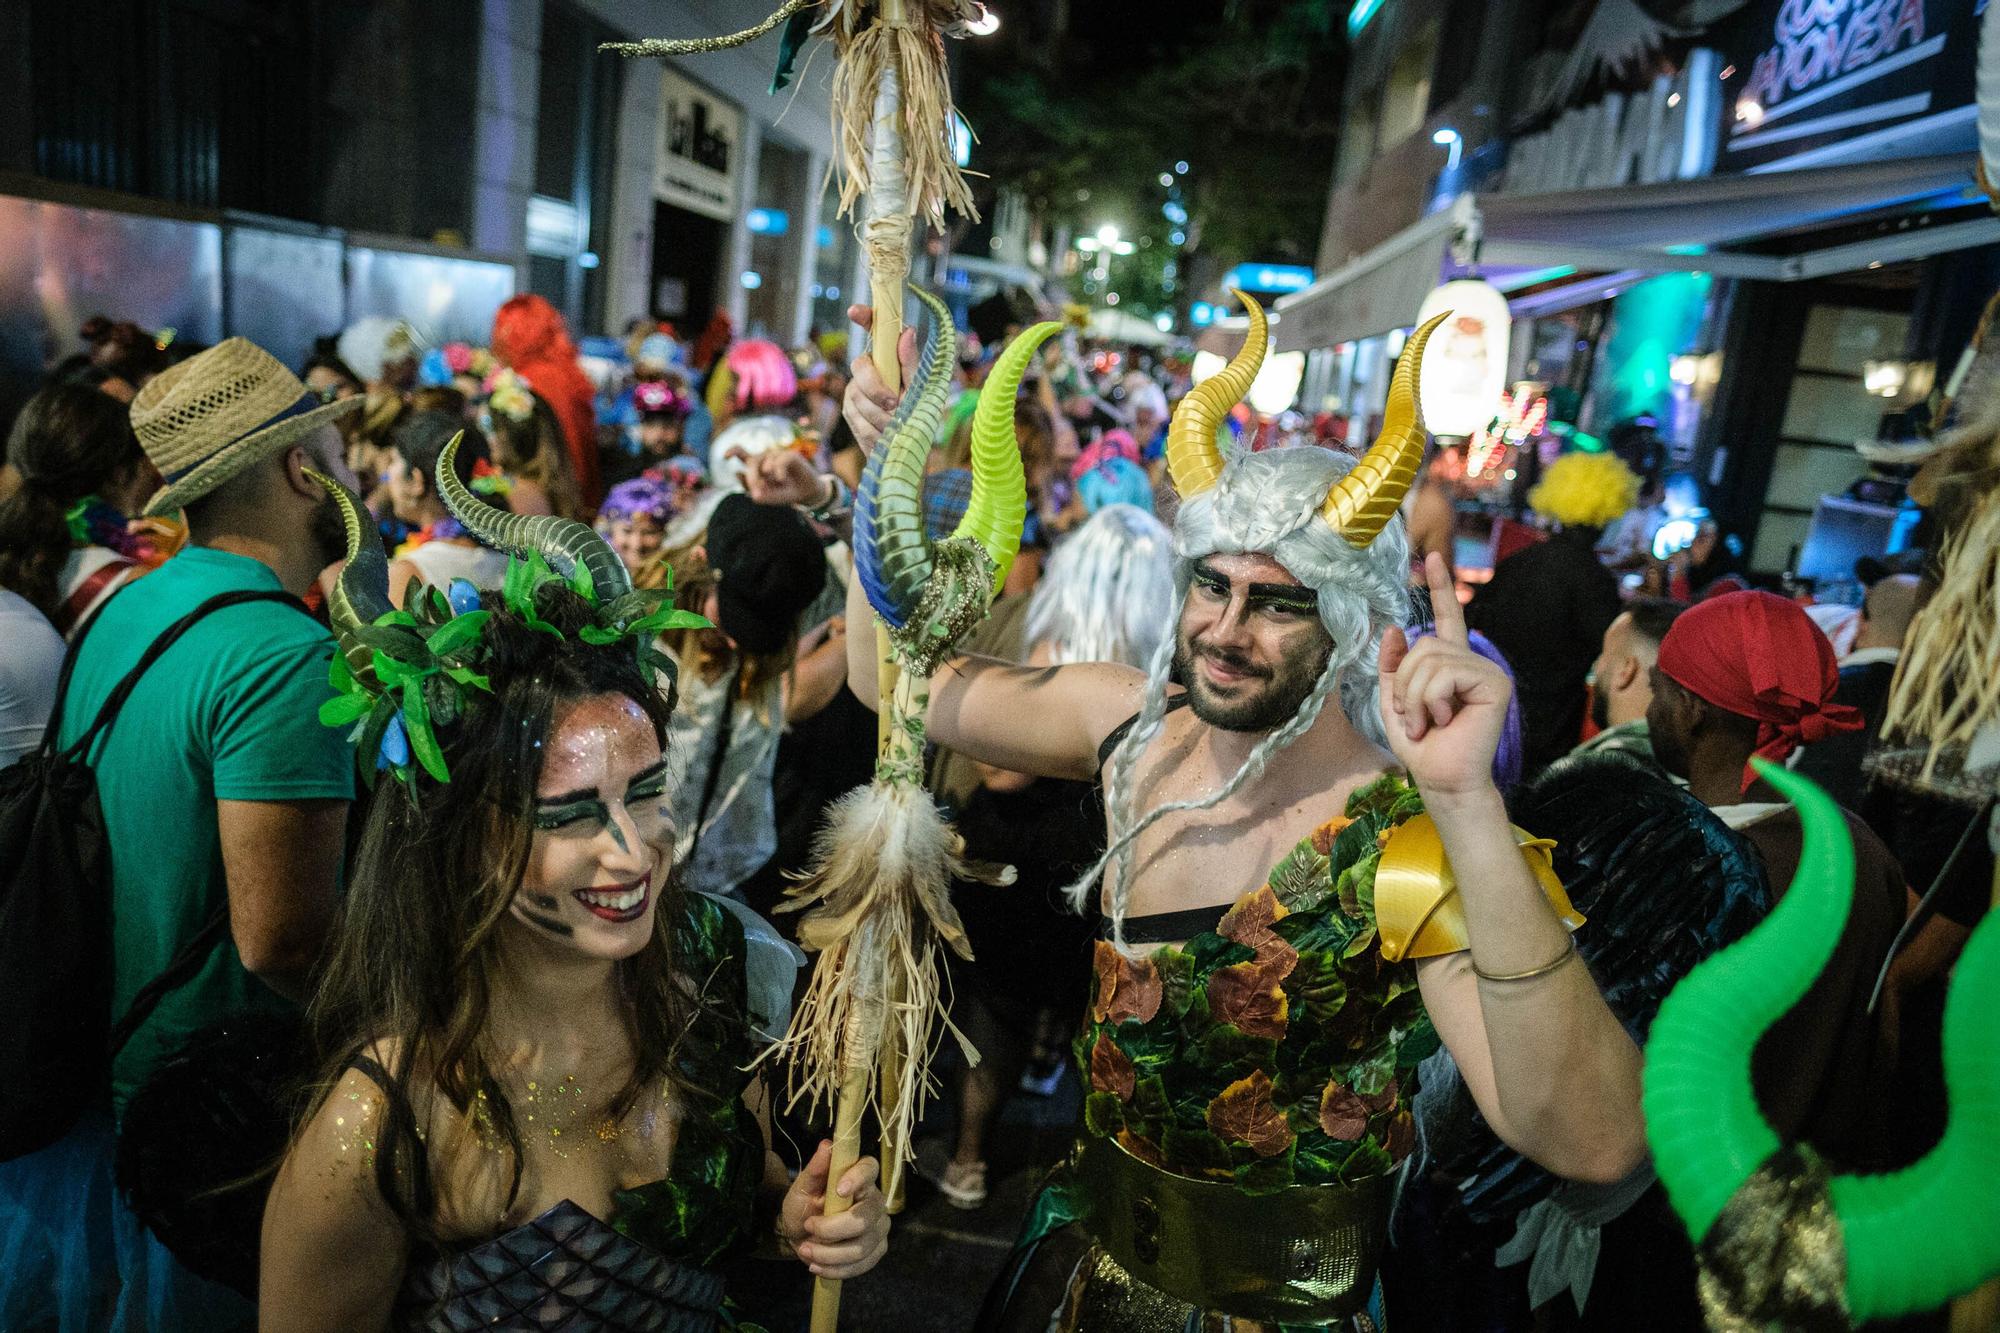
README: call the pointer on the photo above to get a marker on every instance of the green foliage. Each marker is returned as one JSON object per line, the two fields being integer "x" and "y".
{"x": 1248, "y": 94}
{"x": 423, "y": 659}
{"x": 1350, "y": 1019}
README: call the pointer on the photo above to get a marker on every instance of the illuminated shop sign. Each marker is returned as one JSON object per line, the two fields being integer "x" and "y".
{"x": 1816, "y": 82}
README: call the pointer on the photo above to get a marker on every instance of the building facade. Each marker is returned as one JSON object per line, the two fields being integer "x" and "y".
{"x": 281, "y": 170}
{"x": 1761, "y": 233}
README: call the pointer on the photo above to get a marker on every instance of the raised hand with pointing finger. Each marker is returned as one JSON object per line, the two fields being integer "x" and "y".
{"x": 1443, "y": 705}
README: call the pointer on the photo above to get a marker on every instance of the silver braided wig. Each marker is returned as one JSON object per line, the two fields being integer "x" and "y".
{"x": 1108, "y": 592}
{"x": 1266, "y": 503}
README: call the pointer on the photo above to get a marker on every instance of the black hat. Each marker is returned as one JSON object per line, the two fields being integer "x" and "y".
{"x": 768, "y": 569}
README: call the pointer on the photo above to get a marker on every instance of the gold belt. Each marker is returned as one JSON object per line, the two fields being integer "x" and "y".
{"x": 1305, "y": 1254}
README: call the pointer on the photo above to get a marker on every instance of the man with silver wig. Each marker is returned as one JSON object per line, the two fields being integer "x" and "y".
{"x": 1301, "y": 901}
{"x": 1266, "y": 502}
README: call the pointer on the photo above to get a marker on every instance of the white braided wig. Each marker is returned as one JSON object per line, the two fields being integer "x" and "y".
{"x": 1265, "y": 503}
{"x": 1108, "y": 592}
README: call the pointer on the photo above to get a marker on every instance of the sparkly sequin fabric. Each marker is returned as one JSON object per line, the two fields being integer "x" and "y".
{"x": 565, "y": 1269}
{"x": 651, "y": 1266}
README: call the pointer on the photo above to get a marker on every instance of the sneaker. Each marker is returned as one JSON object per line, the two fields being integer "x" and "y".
{"x": 963, "y": 1184}
{"x": 1042, "y": 1081}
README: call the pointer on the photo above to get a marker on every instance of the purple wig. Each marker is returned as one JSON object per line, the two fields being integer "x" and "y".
{"x": 1509, "y": 757}
{"x": 641, "y": 495}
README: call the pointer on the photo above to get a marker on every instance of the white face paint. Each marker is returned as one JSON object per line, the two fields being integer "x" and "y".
{"x": 604, "y": 830}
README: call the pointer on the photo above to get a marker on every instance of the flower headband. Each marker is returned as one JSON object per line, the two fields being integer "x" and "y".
{"x": 659, "y": 398}
{"x": 641, "y": 495}
{"x": 401, "y": 674}
{"x": 509, "y": 393}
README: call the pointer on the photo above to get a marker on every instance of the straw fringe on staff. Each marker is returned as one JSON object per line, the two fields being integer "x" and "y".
{"x": 694, "y": 46}
{"x": 1947, "y": 686}
{"x": 915, "y": 57}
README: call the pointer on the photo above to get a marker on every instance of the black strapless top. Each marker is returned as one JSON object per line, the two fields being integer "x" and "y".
{"x": 566, "y": 1269}
{"x": 650, "y": 1266}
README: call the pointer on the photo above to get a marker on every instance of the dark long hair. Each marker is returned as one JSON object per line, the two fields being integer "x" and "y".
{"x": 67, "y": 443}
{"x": 417, "y": 946}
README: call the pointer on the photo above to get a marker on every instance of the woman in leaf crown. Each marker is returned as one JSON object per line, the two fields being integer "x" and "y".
{"x": 533, "y": 1110}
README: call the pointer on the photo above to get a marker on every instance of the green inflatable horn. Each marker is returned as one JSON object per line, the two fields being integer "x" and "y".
{"x": 1913, "y": 1238}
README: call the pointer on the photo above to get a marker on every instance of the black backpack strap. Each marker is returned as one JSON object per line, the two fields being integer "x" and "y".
{"x": 74, "y": 651}
{"x": 177, "y": 973}
{"x": 79, "y": 751}
{"x": 188, "y": 960}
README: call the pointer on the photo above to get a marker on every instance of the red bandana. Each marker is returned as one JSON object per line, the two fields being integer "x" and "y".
{"x": 1759, "y": 655}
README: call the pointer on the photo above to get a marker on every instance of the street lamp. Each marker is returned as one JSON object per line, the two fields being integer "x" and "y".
{"x": 1451, "y": 139}
{"x": 1107, "y": 235}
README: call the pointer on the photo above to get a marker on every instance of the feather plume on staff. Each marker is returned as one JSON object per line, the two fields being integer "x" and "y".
{"x": 879, "y": 886}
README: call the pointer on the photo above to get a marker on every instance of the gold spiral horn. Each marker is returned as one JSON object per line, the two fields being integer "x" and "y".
{"x": 1361, "y": 504}
{"x": 1193, "y": 460}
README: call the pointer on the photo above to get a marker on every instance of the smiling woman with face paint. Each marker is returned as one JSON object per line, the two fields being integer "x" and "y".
{"x": 535, "y": 1039}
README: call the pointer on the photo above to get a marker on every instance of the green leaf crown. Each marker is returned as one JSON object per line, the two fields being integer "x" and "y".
{"x": 402, "y": 674}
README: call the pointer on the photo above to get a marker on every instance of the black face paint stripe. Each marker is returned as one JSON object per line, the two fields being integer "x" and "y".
{"x": 588, "y": 795}
{"x": 1270, "y": 593}
{"x": 548, "y": 923}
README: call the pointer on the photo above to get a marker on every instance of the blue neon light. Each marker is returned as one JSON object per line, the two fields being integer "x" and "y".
{"x": 768, "y": 221}
{"x": 1269, "y": 277}
{"x": 1358, "y": 17}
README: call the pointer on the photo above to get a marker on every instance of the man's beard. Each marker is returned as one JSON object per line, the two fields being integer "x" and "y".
{"x": 327, "y": 531}
{"x": 1600, "y": 709}
{"x": 1270, "y": 705}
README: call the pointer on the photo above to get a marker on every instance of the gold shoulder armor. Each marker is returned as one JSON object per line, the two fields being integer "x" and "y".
{"x": 1418, "y": 913}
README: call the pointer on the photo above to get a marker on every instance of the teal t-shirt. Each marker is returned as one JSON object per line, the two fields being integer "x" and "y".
{"x": 229, "y": 713}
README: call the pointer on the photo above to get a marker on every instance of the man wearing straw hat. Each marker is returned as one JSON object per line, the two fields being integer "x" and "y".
{"x": 224, "y": 799}
{"x": 1249, "y": 1068}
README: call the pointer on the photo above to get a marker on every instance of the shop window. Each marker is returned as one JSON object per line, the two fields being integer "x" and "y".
{"x": 836, "y": 254}
{"x": 1357, "y": 138}
{"x": 771, "y": 296}
{"x": 575, "y": 155}
{"x": 1827, "y": 408}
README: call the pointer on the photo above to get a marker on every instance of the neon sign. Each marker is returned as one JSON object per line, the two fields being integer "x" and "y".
{"x": 1817, "y": 40}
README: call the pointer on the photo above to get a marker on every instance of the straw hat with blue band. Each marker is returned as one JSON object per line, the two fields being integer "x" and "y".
{"x": 210, "y": 417}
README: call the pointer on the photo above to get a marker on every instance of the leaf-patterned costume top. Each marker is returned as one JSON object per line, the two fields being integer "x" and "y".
{"x": 651, "y": 1265}
{"x": 1277, "y": 1050}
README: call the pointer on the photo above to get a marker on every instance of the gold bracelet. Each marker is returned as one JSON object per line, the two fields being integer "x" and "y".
{"x": 1568, "y": 952}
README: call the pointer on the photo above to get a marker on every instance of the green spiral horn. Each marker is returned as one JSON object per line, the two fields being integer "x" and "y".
{"x": 1707, "y": 1132}
{"x": 901, "y": 544}
{"x": 566, "y": 544}
{"x": 360, "y": 596}
{"x": 999, "y": 505}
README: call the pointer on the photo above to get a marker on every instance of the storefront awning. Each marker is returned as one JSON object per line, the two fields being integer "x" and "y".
{"x": 1378, "y": 291}
{"x": 1777, "y": 227}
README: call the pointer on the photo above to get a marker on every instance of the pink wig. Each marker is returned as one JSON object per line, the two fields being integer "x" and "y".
{"x": 765, "y": 380}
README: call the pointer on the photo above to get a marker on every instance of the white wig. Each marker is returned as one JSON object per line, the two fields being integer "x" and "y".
{"x": 1108, "y": 592}
{"x": 1267, "y": 503}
